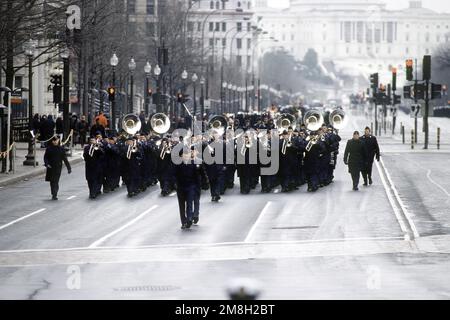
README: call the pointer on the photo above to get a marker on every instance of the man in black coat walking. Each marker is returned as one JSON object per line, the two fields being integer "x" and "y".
{"x": 54, "y": 156}
{"x": 355, "y": 157}
{"x": 190, "y": 176}
{"x": 373, "y": 150}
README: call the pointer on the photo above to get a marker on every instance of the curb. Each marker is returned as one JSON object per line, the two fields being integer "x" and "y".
{"x": 35, "y": 173}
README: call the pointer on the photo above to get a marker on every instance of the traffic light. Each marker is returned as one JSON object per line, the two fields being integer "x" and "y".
{"x": 374, "y": 81}
{"x": 407, "y": 94}
{"x": 112, "y": 93}
{"x": 397, "y": 99}
{"x": 56, "y": 80}
{"x": 436, "y": 91}
{"x": 394, "y": 79}
{"x": 409, "y": 70}
{"x": 419, "y": 91}
{"x": 426, "y": 67}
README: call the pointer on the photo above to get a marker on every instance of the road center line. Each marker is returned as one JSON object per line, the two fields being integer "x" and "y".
{"x": 128, "y": 224}
{"x": 252, "y": 230}
{"x": 20, "y": 219}
{"x": 72, "y": 197}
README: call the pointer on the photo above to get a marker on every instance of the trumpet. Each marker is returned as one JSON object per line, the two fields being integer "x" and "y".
{"x": 166, "y": 149}
{"x": 286, "y": 144}
{"x": 94, "y": 147}
{"x": 132, "y": 148}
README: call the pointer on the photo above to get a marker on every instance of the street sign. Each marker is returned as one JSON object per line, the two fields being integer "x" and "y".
{"x": 416, "y": 111}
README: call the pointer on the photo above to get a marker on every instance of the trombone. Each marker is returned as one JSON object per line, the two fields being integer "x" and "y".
{"x": 132, "y": 148}
{"x": 94, "y": 147}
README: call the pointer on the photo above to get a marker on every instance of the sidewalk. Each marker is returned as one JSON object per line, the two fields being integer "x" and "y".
{"x": 23, "y": 173}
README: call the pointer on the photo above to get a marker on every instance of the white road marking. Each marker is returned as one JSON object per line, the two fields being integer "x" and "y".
{"x": 173, "y": 194}
{"x": 20, "y": 219}
{"x": 437, "y": 184}
{"x": 72, "y": 197}
{"x": 130, "y": 223}
{"x": 208, "y": 253}
{"x": 399, "y": 200}
{"x": 252, "y": 230}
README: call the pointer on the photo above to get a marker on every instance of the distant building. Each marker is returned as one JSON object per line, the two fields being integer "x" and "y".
{"x": 359, "y": 36}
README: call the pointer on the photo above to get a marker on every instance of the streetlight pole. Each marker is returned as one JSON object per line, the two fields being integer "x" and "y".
{"x": 147, "y": 70}
{"x": 114, "y": 62}
{"x": 157, "y": 73}
{"x": 202, "y": 96}
{"x": 131, "y": 67}
{"x": 66, "y": 79}
{"x": 194, "y": 80}
{"x": 29, "y": 52}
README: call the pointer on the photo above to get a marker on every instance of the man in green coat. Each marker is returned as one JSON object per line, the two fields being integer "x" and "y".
{"x": 355, "y": 157}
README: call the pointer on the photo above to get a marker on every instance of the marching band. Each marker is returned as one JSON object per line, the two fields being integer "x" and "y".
{"x": 307, "y": 153}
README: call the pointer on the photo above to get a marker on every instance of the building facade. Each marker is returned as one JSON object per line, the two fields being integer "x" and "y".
{"x": 358, "y": 36}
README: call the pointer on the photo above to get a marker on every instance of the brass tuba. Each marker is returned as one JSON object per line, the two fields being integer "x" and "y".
{"x": 284, "y": 121}
{"x": 313, "y": 120}
{"x": 338, "y": 119}
{"x": 218, "y": 123}
{"x": 160, "y": 123}
{"x": 131, "y": 124}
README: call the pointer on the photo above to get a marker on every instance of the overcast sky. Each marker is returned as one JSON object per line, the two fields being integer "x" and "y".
{"x": 437, "y": 5}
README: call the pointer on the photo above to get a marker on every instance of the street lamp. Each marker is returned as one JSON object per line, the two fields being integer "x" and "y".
{"x": 114, "y": 62}
{"x": 148, "y": 71}
{"x": 194, "y": 80}
{"x": 65, "y": 55}
{"x": 29, "y": 48}
{"x": 184, "y": 75}
{"x": 202, "y": 97}
{"x": 157, "y": 73}
{"x": 234, "y": 98}
{"x": 132, "y": 68}
{"x": 230, "y": 87}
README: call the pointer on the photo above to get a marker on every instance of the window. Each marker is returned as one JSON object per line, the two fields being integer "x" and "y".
{"x": 239, "y": 61}
{"x": 211, "y": 5}
{"x": 239, "y": 43}
{"x": 199, "y": 26}
{"x": 390, "y": 33}
{"x": 131, "y": 6}
{"x": 217, "y": 5}
{"x": 224, "y": 5}
{"x": 239, "y": 4}
{"x": 239, "y": 26}
{"x": 224, "y": 42}
{"x": 217, "y": 27}
{"x": 190, "y": 26}
{"x": 249, "y": 5}
{"x": 359, "y": 32}
{"x": 150, "y": 29}
{"x": 347, "y": 31}
{"x": 249, "y": 61}
{"x": 211, "y": 42}
{"x": 249, "y": 43}
{"x": 211, "y": 26}
{"x": 151, "y": 7}
{"x": 132, "y": 27}
{"x": 224, "y": 26}
{"x": 427, "y": 37}
{"x": 249, "y": 26}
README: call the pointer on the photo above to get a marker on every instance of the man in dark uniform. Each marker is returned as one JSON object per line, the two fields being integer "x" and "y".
{"x": 54, "y": 156}
{"x": 355, "y": 157}
{"x": 288, "y": 160}
{"x": 94, "y": 156}
{"x": 111, "y": 165}
{"x": 189, "y": 176}
{"x": 311, "y": 166}
{"x": 373, "y": 150}
{"x": 334, "y": 139}
{"x": 133, "y": 164}
{"x": 216, "y": 170}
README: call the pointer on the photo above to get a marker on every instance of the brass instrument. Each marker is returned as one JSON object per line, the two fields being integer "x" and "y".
{"x": 160, "y": 123}
{"x": 338, "y": 119}
{"x": 313, "y": 120}
{"x": 284, "y": 121}
{"x": 286, "y": 144}
{"x": 94, "y": 147}
{"x": 131, "y": 124}
{"x": 218, "y": 123}
{"x": 132, "y": 148}
{"x": 166, "y": 149}
{"x": 313, "y": 140}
